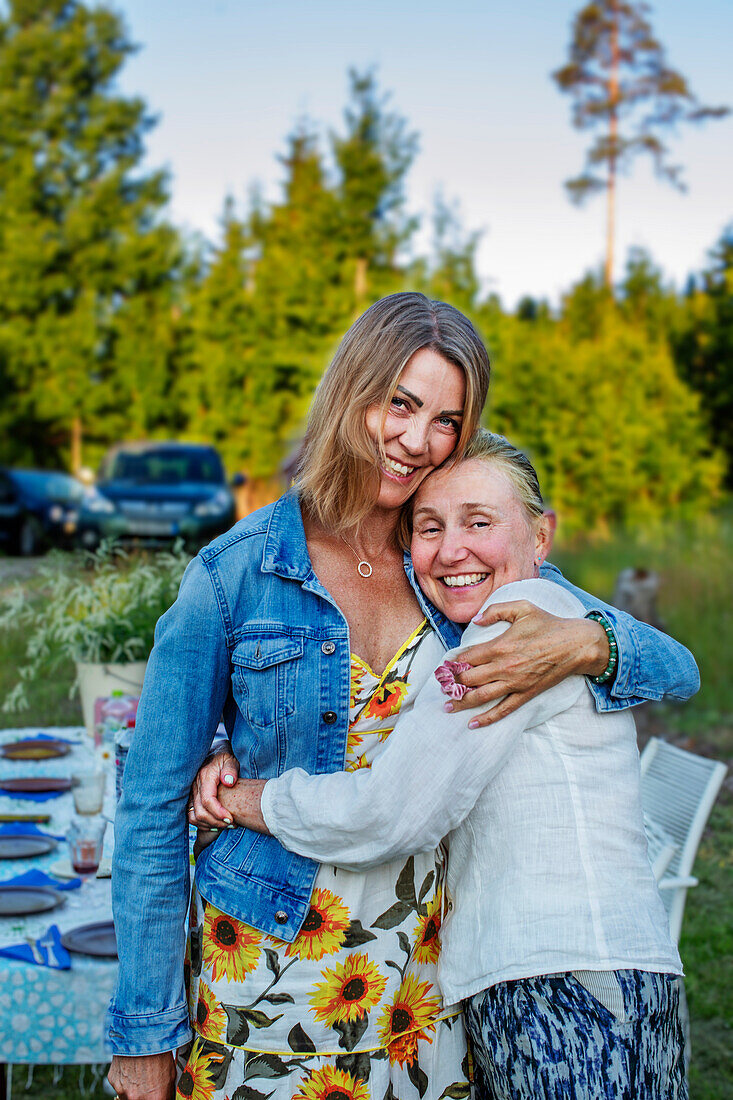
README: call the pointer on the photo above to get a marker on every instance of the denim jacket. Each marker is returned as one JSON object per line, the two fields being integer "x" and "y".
{"x": 255, "y": 636}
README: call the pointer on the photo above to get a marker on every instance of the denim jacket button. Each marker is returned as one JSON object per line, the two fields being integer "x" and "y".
{"x": 328, "y": 648}
{"x": 281, "y": 916}
{"x": 330, "y": 717}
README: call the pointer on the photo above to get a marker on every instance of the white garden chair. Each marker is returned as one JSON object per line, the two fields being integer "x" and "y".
{"x": 660, "y": 846}
{"x": 678, "y": 790}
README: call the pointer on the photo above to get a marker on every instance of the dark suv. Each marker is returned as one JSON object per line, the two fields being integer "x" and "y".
{"x": 158, "y": 492}
{"x": 38, "y": 509}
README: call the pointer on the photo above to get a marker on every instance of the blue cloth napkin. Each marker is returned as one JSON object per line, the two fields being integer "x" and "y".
{"x": 40, "y": 878}
{"x": 31, "y": 796}
{"x": 25, "y": 828}
{"x": 52, "y": 737}
{"x": 57, "y": 958}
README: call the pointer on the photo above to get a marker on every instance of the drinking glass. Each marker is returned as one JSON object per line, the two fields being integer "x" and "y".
{"x": 87, "y": 790}
{"x": 85, "y": 837}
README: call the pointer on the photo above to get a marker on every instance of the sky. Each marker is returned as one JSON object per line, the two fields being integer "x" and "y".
{"x": 229, "y": 79}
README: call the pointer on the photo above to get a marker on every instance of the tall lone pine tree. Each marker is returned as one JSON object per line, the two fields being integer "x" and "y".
{"x": 621, "y": 85}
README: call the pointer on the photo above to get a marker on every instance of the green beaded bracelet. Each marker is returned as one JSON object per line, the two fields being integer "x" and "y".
{"x": 609, "y": 672}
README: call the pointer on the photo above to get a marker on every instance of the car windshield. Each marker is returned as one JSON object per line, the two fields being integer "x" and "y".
{"x": 52, "y": 486}
{"x": 164, "y": 467}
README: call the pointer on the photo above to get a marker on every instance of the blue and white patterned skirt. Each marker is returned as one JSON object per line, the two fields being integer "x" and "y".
{"x": 549, "y": 1038}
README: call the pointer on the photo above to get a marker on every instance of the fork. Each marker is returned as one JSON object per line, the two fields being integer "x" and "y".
{"x": 47, "y": 942}
{"x": 37, "y": 956}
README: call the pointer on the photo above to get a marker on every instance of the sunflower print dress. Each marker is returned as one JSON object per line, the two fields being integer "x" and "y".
{"x": 351, "y": 1010}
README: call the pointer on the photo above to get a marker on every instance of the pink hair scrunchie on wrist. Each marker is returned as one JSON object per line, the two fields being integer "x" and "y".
{"x": 446, "y": 677}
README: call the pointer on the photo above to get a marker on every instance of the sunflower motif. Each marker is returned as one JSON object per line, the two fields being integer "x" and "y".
{"x": 195, "y": 1082}
{"x": 322, "y": 932}
{"x": 231, "y": 948}
{"x": 386, "y": 700}
{"x": 210, "y": 1019}
{"x": 356, "y": 764}
{"x": 353, "y": 742}
{"x": 330, "y": 1083}
{"x": 349, "y": 991}
{"x": 404, "y": 1049}
{"x": 411, "y": 1011}
{"x": 357, "y": 677}
{"x": 427, "y": 933}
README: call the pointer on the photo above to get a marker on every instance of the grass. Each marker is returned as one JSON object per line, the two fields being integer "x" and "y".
{"x": 695, "y": 605}
{"x": 693, "y": 564}
{"x": 59, "y": 1083}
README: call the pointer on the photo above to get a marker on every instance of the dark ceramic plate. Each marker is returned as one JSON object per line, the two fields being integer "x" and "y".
{"x": 23, "y": 847}
{"x": 20, "y": 901}
{"x": 40, "y": 784}
{"x": 34, "y": 750}
{"x": 92, "y": 939}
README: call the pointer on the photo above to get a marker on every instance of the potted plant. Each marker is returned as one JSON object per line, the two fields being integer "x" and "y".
{"x": 100, "y": 610}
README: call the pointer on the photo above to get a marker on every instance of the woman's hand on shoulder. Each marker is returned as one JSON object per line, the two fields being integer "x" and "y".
{"x": 149, "y": 1077}
{"x": 536, "y": 652}
{"x": 205, "y": 811}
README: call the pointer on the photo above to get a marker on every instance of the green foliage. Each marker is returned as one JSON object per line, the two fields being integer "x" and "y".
{"x": 372, "y": 159}
{"x": 85, "y": 269}
{"x": 288, "y": 279}
{"x": 619, "y": 81}
{"x": 617, "y": 438}
{"x": 450, "y": 272}
{"x": 98, "y": 608}
{"x": 110, "y": 326}
{"x": 703, "y": 344}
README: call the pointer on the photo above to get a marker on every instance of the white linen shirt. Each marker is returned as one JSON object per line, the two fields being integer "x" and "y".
{"x": 548, "y": 869}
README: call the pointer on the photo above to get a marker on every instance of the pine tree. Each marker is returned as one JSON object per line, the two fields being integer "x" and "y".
{"x": 272, "y": 302}
{"x": 644, "y": 300}
{"x": 620, "y": 83}
{"x": 617, "y": 437}
{"x": 704, "y": 345}
{"x": 80, "y": 244}
{"x": 452, "y": 275}
{"x": 372, "y": 159}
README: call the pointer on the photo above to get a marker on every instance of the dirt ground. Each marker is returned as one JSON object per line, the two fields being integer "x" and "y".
{"x": 18, "y": 569}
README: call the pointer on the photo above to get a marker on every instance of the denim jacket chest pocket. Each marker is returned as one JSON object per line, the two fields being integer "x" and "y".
{"x": 264, "y": 676}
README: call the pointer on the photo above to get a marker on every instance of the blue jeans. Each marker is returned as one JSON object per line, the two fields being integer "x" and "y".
{"x": 548, "y": 1038}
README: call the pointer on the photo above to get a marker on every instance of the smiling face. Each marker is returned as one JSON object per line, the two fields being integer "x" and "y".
{"x": 471, "y": 534}
{"x": 422, "y": 425}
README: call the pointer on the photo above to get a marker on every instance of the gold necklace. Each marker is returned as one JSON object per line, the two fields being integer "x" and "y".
{"x": 363, "y": 563}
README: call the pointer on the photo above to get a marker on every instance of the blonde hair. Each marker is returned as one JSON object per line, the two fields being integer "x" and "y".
{"x": 496, "y": 450}
{"x": 338, "y": 469}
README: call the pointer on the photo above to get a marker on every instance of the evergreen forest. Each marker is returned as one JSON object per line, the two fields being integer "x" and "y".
{"x": 114, "y": 325}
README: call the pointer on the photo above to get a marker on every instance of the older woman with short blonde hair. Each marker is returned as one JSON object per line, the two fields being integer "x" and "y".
{"x": 555, "y": 936}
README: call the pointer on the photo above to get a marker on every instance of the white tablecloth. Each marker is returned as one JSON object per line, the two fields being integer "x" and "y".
{"x": 55, "y": 1015}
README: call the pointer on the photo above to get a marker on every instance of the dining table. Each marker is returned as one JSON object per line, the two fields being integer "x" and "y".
{"x": 49, "y": 1015}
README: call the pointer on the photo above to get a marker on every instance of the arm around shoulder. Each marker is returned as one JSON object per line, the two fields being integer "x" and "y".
{"x": 424, "y": 783}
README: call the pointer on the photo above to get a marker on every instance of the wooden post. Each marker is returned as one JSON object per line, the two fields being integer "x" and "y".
{"x": 76, "y": 438}
{"x": 360, "y": 280}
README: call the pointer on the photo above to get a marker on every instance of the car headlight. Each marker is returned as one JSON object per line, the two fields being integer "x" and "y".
{"x": 214, "y": 506}
{"x": 96, "y": 503}
{"x": 55, "y": 513}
